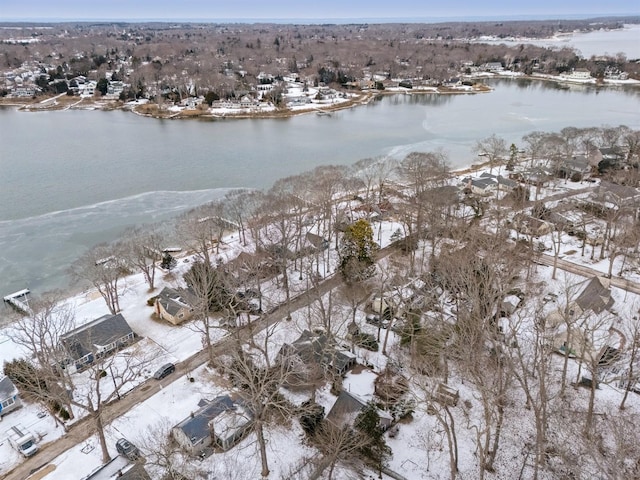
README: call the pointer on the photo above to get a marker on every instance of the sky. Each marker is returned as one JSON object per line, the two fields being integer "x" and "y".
{"x": 420, "y": 10}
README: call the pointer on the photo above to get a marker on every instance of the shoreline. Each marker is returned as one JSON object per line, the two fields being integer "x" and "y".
{"x": 63, "y": 102}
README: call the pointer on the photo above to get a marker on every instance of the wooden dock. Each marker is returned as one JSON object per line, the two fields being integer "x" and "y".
{"x": 18, "y": 300}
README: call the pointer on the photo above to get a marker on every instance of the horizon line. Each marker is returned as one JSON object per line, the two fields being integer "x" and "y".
{"x": 322, "y": 20}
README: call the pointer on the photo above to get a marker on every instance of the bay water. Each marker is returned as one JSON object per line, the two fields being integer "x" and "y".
{"x": 72, "y": 179}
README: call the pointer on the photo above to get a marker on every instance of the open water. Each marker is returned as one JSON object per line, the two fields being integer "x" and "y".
{"x": 71, "y": 179}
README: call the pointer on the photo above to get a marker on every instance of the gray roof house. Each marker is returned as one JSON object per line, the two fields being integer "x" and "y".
{"x": 595, "y": 295}
{"x": 315, "y": 348}
{"x": 347, "y": 407}
{"x": 119, "y": 468}
{"x": 221, "y": 422}
{"x": 95, "y": 339}
{"x": 480, "y": 186}
{"x": 617, "y": 195}
{"x": 9, "y": 399}
{"x": 578, "y": 166}
{"x": 175, "y": 305}
{"x": 504, "y": 182}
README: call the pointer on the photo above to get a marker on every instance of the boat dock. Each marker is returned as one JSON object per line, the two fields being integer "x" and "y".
{"x": 18, "y": 300}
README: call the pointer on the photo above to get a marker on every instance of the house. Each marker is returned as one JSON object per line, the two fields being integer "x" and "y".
{"x": 608, "y": 157}
{"x": 221, "y": 422}
{"x": 119, "y": 468}
{"x": 314, "y": 348}
{"x": 617, "y": 195}
{"x": 535, "y": 176}
{"x": 480, "y": 186}
{"x": 493, "y": 67}
{"x": 175, "y": 306}
{"x": 503, "y": 183}
{"x": 578, "y": 74}
{"x": 347, "y": 407}
{"x": 96, "y": 339}
{"x": 576, "y": 168}
{"x": 9, "y": 399}
{"x": 528, "y": 225}
{"x": 595, "y": 295}
{"x": 318, "y": 242}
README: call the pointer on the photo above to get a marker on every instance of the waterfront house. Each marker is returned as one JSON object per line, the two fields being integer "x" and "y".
{"x": 175, "y": 306}
{"x": 96, "y": 339}
{"x": 221, "y": 422}
{"x": 505, "y": 184}
{"x": 9, "y": 398}
{"x": 480, "y": 186}
{"x": 576, "y": 168}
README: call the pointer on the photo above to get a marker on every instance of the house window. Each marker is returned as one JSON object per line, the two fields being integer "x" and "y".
{"x": 7, "y": 403}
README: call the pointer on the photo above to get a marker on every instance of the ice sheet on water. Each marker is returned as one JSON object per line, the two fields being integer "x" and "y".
{"x": 38, "y": 250}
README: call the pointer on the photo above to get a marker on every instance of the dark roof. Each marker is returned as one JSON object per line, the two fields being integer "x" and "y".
{"x": 347, "y": 406}
{"x": 611, "y": 152}
{"x": 317, "y": 240}
{"x": 595, "y": 295}
{"x": 7, "y": 388}
{"x": 315, "y": 348}
{"x": 173, "y": 300}
{"x": 101, "y": 331}
{"x": 196, "y": 426}
{"x": 310, "y": 347}
{"x": 622, "y": 192}
{"x": 346, "y": 402}
{"x": 577, "y": 164}
{"x": 136, "y": 472}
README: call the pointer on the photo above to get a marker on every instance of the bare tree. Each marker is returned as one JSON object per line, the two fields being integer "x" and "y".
{"x": 632, "y": 351}
{"x": 103, "y": 267}
{"x": 259, "y": 381}
{"x": 240, "y": 206}
{"x": 492, "y": 147}
{"x": 101, "y": 381}
{"x": 142, "y": 249}
{"x": 212, "y": 291}
{"x": 40, "y": 336}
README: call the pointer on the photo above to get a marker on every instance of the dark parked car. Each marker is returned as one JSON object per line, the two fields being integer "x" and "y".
{"x": 164, "y": 370}
{"x": 127, "y": 449}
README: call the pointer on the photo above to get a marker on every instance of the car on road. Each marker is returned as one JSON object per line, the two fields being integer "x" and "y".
{"x": 127, "y": 449}
{"x": 164, "y": 370}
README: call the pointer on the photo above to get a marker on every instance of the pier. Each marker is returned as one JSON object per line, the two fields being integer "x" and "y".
{"x": 18, "y": 300}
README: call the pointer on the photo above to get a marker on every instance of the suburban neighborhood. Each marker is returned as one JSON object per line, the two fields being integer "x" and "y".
{"x": 393, "y": 318}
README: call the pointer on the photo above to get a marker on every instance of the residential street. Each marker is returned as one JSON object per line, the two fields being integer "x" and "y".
{"x": 588, "y": 272}
{"x": 84, "y": 428}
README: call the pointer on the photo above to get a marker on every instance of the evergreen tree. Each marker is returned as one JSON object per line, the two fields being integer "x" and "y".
{"x": 357, "y": 252}
{"x": 368, "y": 423}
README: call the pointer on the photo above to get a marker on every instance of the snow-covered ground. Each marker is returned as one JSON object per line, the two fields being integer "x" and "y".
{"x": 419, "y": 448}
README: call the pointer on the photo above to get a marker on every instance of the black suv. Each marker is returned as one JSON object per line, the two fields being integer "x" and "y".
{"x": 127, "y": 449}
{"x": 164, "y": 370}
